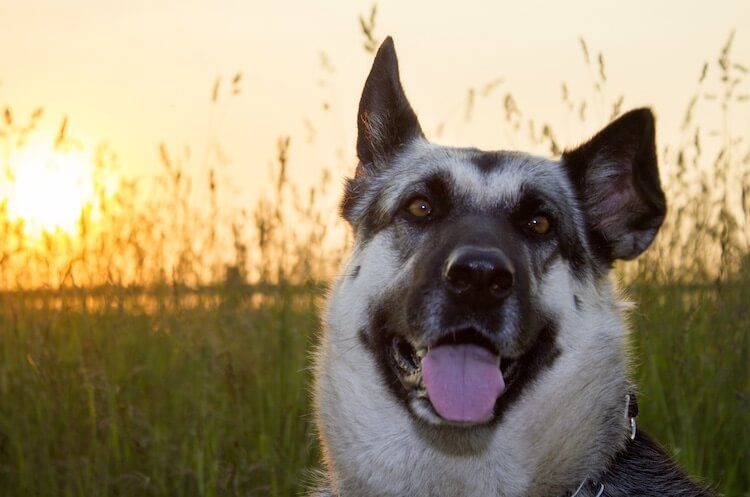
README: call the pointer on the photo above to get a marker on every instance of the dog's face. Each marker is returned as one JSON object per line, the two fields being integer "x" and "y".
{"x": 467, "y": 240}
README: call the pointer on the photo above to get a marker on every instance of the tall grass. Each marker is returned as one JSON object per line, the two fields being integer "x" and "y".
{"x": 206, "y": 398}
{"x": 691, "y": 345}
{"x": 161, "y": 349}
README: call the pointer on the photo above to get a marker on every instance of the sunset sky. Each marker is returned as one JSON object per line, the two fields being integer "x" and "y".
{"x": 140, "y": 72}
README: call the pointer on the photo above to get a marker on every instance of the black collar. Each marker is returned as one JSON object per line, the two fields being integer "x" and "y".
{"x": 631, "y": 412}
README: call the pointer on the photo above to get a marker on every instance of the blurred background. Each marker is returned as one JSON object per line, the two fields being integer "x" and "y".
{"x": 169, "y": 180}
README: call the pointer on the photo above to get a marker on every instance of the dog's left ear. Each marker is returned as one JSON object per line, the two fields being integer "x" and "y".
{"x": 617, "y": 179}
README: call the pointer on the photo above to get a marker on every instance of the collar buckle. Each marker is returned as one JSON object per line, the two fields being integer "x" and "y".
{"x": 599, "y": 492}
{"x": 631, "y": 411}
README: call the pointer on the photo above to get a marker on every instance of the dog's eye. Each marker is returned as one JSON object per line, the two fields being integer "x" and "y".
{"x": 419, "y": 207}
{"x": 539, "y": 224}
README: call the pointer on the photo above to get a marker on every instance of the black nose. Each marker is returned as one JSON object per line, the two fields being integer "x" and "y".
{"x": 480, "y": 275}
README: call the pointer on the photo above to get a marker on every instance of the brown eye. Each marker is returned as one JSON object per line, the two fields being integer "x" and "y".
{"x": 539, "y": 224}
{"x": 419, "y": 207}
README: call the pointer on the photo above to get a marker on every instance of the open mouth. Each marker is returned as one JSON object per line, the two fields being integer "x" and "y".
{"x": 461, "y": 376}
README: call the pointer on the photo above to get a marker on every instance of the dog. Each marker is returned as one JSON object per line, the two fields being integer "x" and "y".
{"x": 475, "y": 344}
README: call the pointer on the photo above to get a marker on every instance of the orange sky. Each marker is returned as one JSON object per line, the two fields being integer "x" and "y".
{"x": 139, "y": 72}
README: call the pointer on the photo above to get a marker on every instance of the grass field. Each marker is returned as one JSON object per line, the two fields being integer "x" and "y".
{"x": 206, "y": 398}
{"x": 202, "y": 395}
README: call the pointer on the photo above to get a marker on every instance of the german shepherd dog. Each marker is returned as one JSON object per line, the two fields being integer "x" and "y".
{"x": 475, "y": 345}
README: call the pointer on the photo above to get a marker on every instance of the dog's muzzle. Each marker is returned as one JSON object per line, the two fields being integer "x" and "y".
{"x": 460, "y": 373}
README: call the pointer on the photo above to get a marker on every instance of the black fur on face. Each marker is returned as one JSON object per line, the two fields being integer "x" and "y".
{"x": 422, "y": 312}
{"x": 427, "y": 305}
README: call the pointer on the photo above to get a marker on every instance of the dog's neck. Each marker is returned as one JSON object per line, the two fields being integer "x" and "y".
{"x": 593, "y": 484}
{"x": 568, "y": 423}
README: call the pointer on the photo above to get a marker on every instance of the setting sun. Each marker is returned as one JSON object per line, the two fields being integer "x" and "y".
{"x": 49, "y": 189}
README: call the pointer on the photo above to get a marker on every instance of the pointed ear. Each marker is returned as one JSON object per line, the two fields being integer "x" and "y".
{"x": 617, "y": 179}
{"x": 386, "y": 121}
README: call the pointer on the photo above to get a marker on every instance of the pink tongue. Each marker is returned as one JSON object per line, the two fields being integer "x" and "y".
{"x": 463, "y": 382}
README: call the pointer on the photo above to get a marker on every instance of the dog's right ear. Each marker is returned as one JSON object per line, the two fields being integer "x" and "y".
{"x": 385, "y": 121}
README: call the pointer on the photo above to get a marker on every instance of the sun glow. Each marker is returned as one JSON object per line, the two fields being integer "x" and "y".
{"x": 48, "y": 189}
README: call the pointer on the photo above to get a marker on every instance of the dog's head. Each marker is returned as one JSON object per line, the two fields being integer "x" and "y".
{"x": 465, "y": 242}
